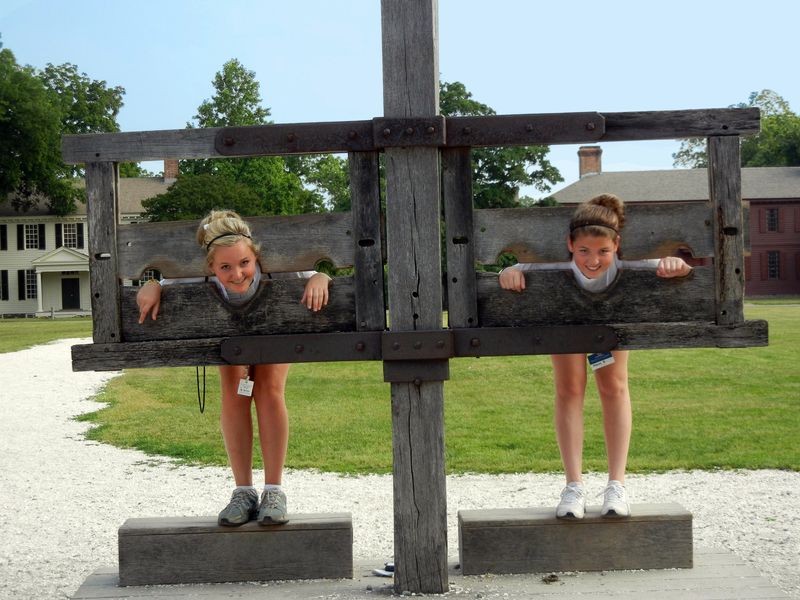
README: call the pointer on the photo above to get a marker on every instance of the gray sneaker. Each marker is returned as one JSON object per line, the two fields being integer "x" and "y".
{"x": 242, "y": 508}
{"x": 273, "y": 508}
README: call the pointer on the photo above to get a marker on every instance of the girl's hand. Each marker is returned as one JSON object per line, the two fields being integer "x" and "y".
{"x": 148, "y": 299}
{"x": 315, "y": 296}
{"x": 512, "y": 279}
{"x": 672, "y": 266}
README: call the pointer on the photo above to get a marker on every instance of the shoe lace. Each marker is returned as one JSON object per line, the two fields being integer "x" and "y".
{"x": 241, "y": 499}
{"x": 571, "y": 494}
{"x": 614, "y": 492}
{"x": 270, "y": 498}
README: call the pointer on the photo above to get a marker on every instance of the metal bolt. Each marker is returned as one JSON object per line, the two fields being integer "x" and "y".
{"x": 290, "y": 137}
{"x": 410, "y": 130}
{"x": 228, "y": 141}
{"x": 417, "y": 345}
{"x": 590, "y": 126}
{"x": 599, "y": 337}
{"x": 360, "y": 346}
{"x": 440, "y": 343}
{"x": 529, "y": 127}
{"x": 396, "y": 346}
{"x": 352, "y": 135}
{"x": 467, "y": 130}
{"x": 387, "y": 132}
{"x": 431, "y": 129}
{"x": 237, "y": 350}
{"x": 474, "y": 342}
{"x": 299, "y": 348}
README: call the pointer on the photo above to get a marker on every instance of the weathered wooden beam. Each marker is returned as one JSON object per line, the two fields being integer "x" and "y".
{"x": 553, "y": 297}
{"x": 102, "y": 189}
{"x": 178, "y": 550}
{"x": 369, "y": 135}
{"x": 288, "y": 244}
{"x": 672, "y": 124}
{"x": 539, "y": 234}
{"x": 725, "y": 190}
{"x": 411, "y": 90}
{"x": 462, "y": 307}
{"x": 367, "y": 240}
{"x": 196, "y": 310}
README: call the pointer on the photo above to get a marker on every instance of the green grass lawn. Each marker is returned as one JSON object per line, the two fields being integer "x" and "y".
{"x": 18, "y": 334}
{"x": 693, "y": 409}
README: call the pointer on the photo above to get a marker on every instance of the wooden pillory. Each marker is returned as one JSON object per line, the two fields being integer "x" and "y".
{"x": 552, "y": 316}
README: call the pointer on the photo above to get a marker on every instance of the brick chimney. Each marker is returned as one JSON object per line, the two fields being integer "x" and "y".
{"x": 589, "y": 160}
{"x": 170, "y": 170}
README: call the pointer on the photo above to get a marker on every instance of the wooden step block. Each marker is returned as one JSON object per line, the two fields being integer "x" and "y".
{"x": 532, "y": 540}
{"x": 197, "y": 550}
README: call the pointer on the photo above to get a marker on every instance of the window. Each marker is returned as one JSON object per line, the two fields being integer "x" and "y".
{"x": 773, "y": 264}
{"x": 3, "y": 285}
{"x": 31, "y": 236}
{"x": 772, "y": 219}
{"x": 69, "y": 235}
{"x": 3, "y": 237}
{"x": 147, "y": 276}
{"x": 30, "y": 283}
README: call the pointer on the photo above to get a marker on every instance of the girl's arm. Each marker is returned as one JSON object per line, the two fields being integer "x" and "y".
{"x": 315, "y": 296}
{"x": 512, "y": 278}
{"x": 672, "y": 266}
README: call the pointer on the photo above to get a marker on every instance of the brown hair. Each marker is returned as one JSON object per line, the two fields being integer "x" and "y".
{"x": 223, "y": 228}
{"x": 602, "y": 216}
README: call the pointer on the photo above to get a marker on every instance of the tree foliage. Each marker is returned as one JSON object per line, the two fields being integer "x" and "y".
{"x": 31, "y": 168}
{"x": 777, "y": 144}
{"x": 193, "y": 196}
{"x": 498, "y": 172}
{"x": 237, "y": 101}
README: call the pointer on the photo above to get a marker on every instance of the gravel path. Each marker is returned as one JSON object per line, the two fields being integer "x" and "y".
{"x": 62, "y": 497}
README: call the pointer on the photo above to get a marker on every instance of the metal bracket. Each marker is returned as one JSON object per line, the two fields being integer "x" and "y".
{"x": 408, "y": 132}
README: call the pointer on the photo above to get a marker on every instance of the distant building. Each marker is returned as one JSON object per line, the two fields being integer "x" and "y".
{"x": 773, "y": 267}
{"x": 44, "y": 260}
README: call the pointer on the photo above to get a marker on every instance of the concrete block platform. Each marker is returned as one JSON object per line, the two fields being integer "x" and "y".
{"x": 717, "y": 574}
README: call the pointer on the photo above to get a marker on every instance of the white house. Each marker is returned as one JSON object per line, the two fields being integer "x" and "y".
{"x": 44, "y": 261}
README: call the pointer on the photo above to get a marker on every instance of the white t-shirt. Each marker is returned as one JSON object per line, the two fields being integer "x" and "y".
{"x": 596, "y": 284}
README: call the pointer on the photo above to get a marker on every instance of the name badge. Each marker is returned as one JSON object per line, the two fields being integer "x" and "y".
{"x": 599, "y": 360}
{"x": 245, "y": 387}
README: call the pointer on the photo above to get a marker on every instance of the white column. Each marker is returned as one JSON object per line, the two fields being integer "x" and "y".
{"x": 39, "y": 290}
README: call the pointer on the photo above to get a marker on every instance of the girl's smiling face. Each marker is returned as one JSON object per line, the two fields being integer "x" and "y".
{"x": 593, "y": 254}
{"x": 234, "y": 266}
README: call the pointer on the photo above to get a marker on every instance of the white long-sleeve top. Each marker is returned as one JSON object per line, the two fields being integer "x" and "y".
{"x": 597, "y": 284}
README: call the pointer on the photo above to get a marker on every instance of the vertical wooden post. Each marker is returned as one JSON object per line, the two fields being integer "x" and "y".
{"x": 102, "y": 184}
{"x": 366, "y": 210}
{"x": 411, "y": 89}
{"x": 462, "y": 297}
{"x": 725, "y": 191}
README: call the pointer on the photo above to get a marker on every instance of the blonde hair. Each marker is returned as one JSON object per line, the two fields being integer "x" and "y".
{"x": 602, "y": 216}
{"x": 223, "y": 228}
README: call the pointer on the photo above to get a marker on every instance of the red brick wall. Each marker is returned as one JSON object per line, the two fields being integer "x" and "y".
{"x": 785, "y": 241}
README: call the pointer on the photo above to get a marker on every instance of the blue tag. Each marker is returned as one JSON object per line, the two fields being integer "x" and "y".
{"x": 600, "y": 360}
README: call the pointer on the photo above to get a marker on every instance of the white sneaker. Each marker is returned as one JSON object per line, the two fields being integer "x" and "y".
{"x": 615, "y": 500}
{"x": 573, "y": 501}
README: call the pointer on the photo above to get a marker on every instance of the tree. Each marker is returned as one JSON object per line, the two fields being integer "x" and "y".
{"x": 500, "y": 172}
{"x": 30, "y": 141}
{"x": 777, "y": 145}
{"x": 236, "y": 102}
{"x": 192, "y": 197}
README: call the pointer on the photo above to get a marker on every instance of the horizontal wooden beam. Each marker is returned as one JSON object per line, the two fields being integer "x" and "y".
{"x": 466, "y": 343}
{"x": 370, "y": 135}
{"x": 290, "y": 243}
{"x": 539, "y": 234}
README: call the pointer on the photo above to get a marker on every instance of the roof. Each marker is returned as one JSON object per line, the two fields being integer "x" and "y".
{"x": 132, "y": 190}
{"x": 674, "y": 185}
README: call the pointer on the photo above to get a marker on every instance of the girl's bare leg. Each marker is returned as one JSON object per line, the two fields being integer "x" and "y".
{"x": 237, "y": 425}
{"x": 569, "y": 372}
{"x": 612, "y": 385}
{"x": 273, "y": 418}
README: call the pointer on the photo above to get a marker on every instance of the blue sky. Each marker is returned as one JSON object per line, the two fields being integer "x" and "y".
{"x": 320, "y": 60}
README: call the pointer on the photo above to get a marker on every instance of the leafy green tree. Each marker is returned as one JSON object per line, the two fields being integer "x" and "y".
{"x": 30, "y": 141}
{"x": 193, "y": 196}
{"x": 777, "y": 145}
{"x": 498, "y": 172}
{"x": 236, "y": 102}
